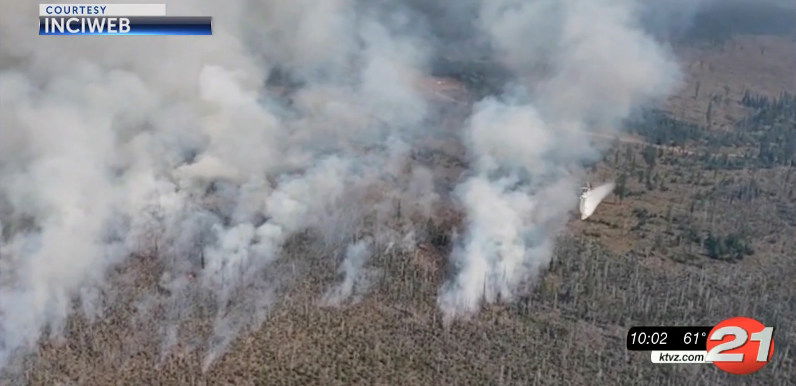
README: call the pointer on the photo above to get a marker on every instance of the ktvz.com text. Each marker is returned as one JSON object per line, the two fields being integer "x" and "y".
{"x": 678, "y": 356}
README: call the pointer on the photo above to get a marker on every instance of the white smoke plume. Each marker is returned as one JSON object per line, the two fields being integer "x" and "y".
{"x": 355, "y": 257}
{"x": 297, "y": 119}
{"x": 581, "y": 67}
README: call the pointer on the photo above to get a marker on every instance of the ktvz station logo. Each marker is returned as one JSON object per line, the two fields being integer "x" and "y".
{"x": 737, "y": 345}
{"x": 117, "y": 19}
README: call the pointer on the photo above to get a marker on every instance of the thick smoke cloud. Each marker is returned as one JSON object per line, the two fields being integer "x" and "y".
{"x": 295, "y": 120}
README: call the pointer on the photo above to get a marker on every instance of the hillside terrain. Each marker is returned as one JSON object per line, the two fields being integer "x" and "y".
{"x": 700, "y": 228}
{"x": 717, "y": 75}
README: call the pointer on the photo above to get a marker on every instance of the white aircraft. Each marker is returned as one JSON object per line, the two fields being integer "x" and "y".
{"x": 591, "y": 198}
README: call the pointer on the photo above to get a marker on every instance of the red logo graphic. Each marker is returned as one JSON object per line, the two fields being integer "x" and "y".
{"x": 740, "y": 345}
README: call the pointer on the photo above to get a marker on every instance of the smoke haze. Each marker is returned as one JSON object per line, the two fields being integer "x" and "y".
{"x": 297, "y": 120}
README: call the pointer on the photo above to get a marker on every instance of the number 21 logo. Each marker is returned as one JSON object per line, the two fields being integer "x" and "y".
{"x": 740, "y": 345}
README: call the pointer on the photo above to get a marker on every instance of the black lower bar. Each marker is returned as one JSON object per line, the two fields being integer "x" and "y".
{"x": 645, "y": 338}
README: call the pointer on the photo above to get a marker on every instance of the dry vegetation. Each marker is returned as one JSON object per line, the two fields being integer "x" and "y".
{"x": 717, "y": 74}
